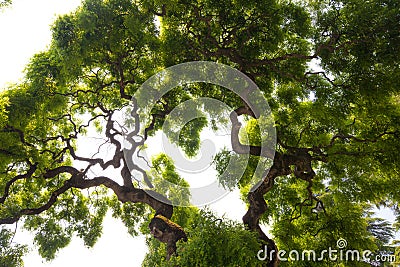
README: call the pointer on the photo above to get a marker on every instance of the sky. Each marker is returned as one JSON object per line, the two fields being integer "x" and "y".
{"x": 24, "y": 31}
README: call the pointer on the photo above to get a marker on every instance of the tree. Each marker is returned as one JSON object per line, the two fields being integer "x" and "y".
{"x": 328, "y": 69}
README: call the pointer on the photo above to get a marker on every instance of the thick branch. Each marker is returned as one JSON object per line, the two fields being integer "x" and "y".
{"x": 257, "y": 207}
{"x": 78, "y": 180}
{"x": 34, "y": 211}
{"x": 8, "y": 185}
{"x": 124, "y": 193}
{"x": 301, "y": 160}
{"x": 167, "y": 232}
{"x": 238, "y": 147}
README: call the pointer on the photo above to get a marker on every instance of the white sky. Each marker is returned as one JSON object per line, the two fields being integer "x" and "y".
{"x": 25, "y": 30}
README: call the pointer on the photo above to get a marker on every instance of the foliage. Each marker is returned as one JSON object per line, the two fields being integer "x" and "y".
{"x": 329, "y": 70}
{"x": 397, "y": 255}
{"x": 10, "y": 253}
{"x": 212, "y": 241}
{"x": 54, "y": 229}
{"x": 164, "y": 178}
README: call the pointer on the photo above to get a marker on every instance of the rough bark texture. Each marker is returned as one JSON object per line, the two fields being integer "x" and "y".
{"x": 167, "y": 232}
{"x": 300, "y": 159}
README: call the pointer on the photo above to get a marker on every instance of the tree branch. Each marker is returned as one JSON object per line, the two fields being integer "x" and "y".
{"x": 238, "y": 147}
{"x": 8, "y": 185}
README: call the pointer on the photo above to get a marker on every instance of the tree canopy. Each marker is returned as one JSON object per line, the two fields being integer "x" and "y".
{"x": 329, "y": 71}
